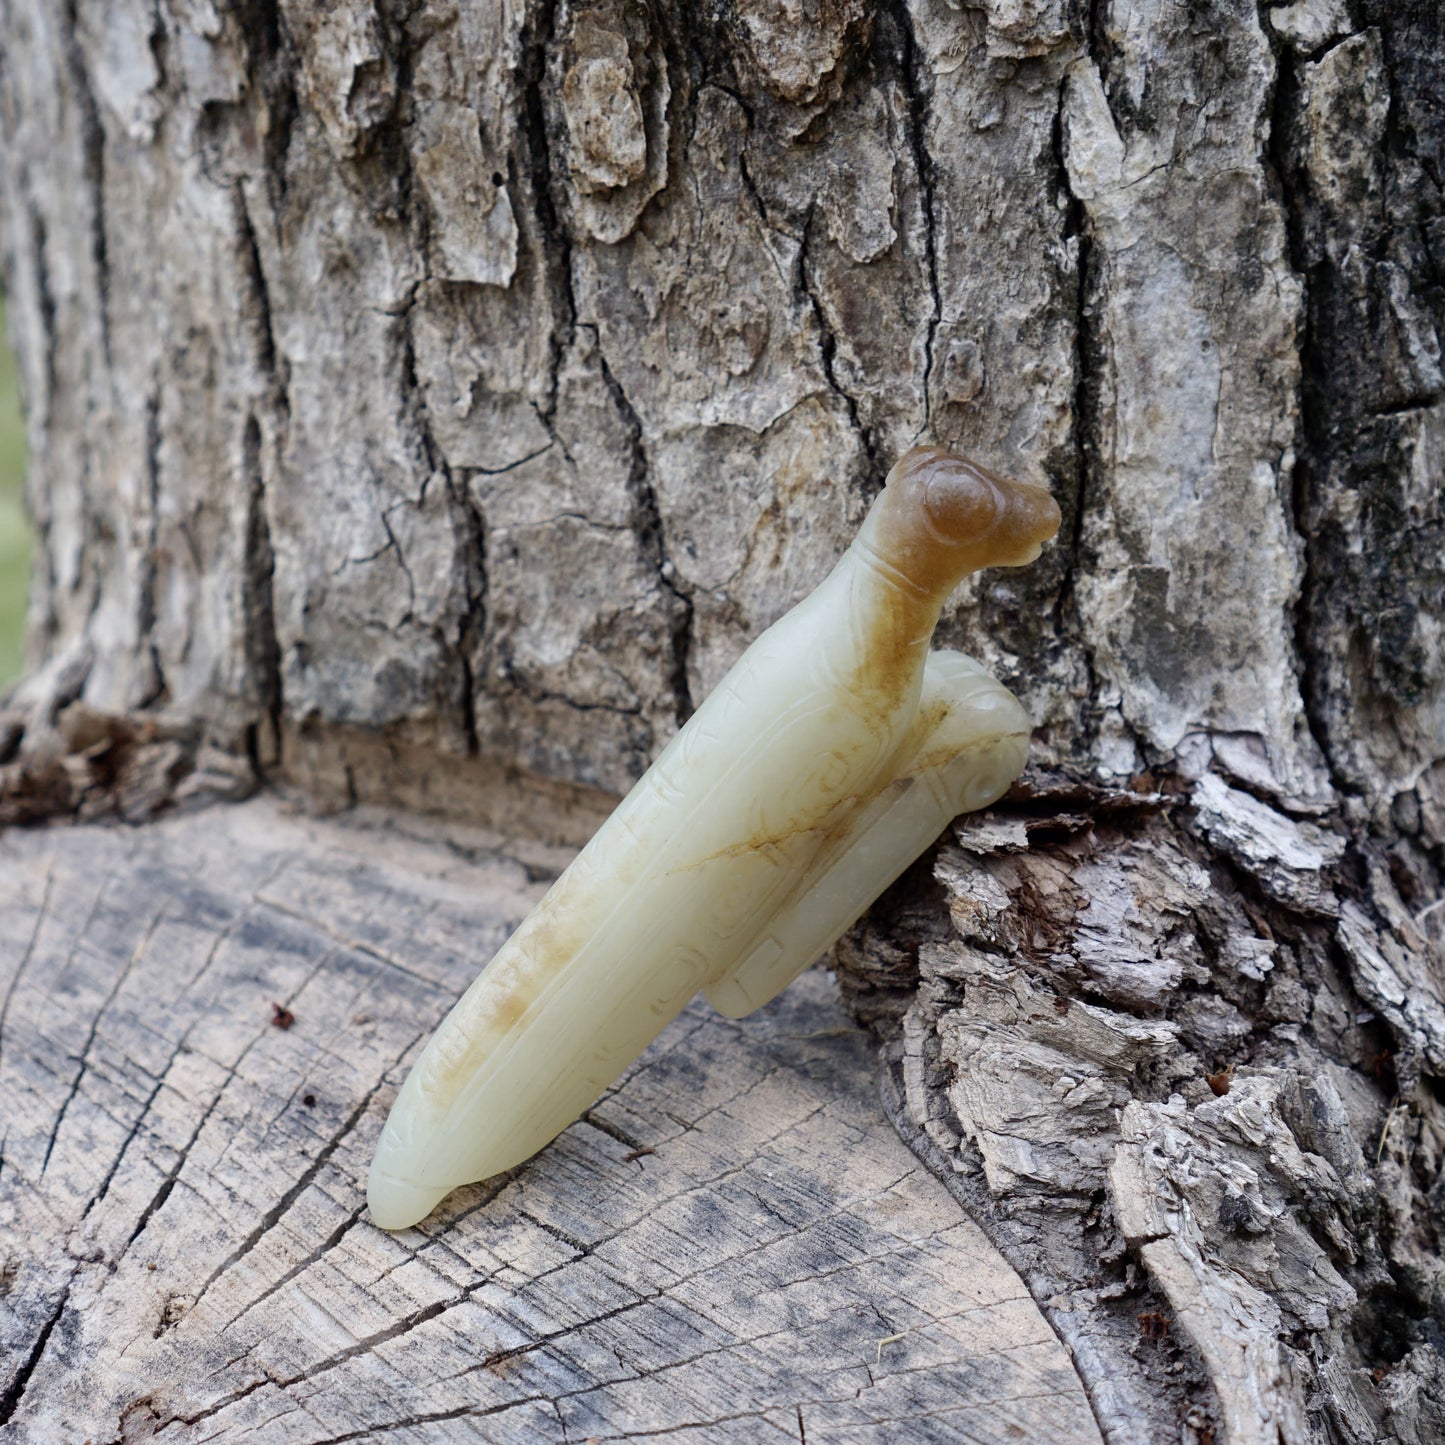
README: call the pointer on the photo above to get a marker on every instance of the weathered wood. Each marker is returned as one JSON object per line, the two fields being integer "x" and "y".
{"x": 1165, "y": 1091}
{"x": 733, "y": 1246}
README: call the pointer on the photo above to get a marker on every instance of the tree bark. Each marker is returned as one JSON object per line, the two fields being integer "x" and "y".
{"x": 427, "y": 403}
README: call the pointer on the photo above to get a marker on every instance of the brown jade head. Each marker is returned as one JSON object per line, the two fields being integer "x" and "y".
{"x": 941, "y": 516}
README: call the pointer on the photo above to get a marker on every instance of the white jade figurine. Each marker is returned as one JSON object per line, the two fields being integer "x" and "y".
{"x": 823, "y": 764}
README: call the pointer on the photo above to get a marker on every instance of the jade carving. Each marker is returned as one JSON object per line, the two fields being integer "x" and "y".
{"x": 822, "y": 765}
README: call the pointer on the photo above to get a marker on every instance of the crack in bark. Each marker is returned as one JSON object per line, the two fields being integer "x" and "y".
{"x": 1314, "y": 425}
{"x": 1089, "y": 358}
{"x": 647, "y": 525}
{"x": 827, "y": 350}
{"x": 255, "y": 277}
{"x": 1349, "y": 611}
{"x": 799, "y": 282}
{"x": 271, "y": 76}
{"x": 802, "y": 288}
{"x": 92, "y": 137}
{"x": 520, "y": 683}
{"x": 469, "y": 528}
{"x": 917, "y": 88}
{"x": 554, "y": 242}
{"x": 1085, "y": 349}
{"x": 262, "y": 645}
{"x": 557, "y": 253}
{"x": 468, "y": 524}
{"x": 150, "y": 554}
{"x": 473, "y": 626}
{"x": 44, "y": 305}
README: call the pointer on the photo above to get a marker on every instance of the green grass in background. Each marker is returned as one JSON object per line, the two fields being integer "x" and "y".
{"x": 14, "y": 524}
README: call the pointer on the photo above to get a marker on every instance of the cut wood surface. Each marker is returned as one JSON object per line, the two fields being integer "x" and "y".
{"x": 204, "y": 1023}
{"x": 428, "y": 402}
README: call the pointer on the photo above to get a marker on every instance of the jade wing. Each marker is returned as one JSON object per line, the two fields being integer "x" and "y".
{"x": 824, "y": 763}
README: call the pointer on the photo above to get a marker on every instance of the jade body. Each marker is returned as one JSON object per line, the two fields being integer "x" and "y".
{"x": 825, "y": 761}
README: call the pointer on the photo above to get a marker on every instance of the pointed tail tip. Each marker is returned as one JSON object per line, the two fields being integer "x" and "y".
{"x": 397, "y": 1204}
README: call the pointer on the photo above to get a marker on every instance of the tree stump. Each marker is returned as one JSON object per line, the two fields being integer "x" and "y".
{"x": 205, "y": 1022}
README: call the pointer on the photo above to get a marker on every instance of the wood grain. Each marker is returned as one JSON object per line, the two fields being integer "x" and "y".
{"x": 734, "y": 1245}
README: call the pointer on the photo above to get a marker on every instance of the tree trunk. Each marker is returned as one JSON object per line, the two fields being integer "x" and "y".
{"x": 428, "y": 403}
